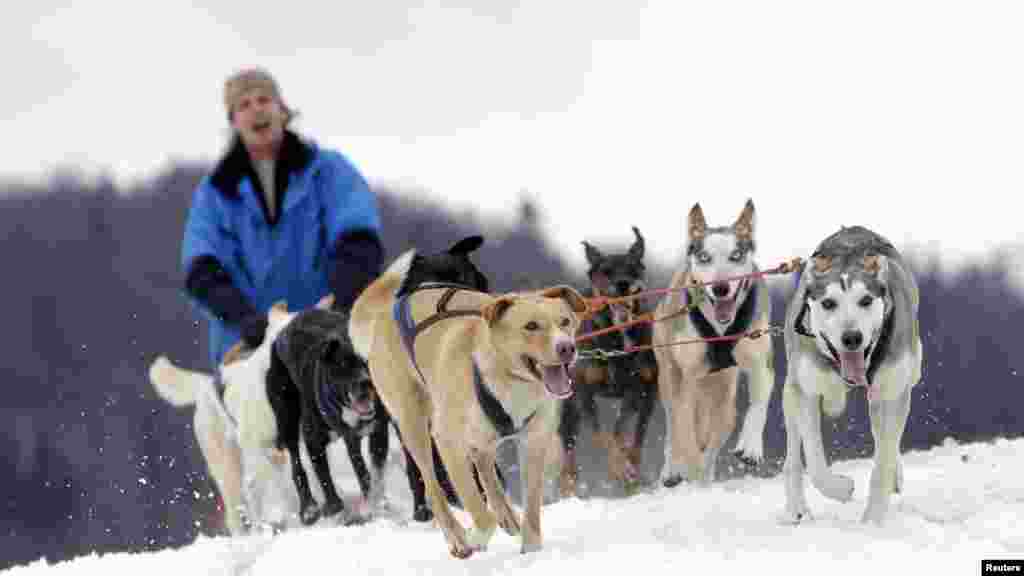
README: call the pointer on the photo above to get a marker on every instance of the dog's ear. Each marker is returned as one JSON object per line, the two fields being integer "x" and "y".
{"x": 326, "y": 302}
{"x": 637, "y": 249}
{"x": 494, "y": 311}
{"x": 574, "y": 299}
{"x": 696, "y": 225}
{"x": 744, "y": 225}
{"x": 822, "y": 264}
{"x": 467, "y": 245}
{"x": 876, "y": 265}
{"x": 594, "y": 255}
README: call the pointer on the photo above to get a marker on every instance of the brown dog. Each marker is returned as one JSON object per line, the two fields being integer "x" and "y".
{"x": 697, "y": 382}
{"x": 489, "y": 367}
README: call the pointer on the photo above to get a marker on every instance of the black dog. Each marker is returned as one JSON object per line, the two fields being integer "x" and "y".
{"x": 451, "y": 266}
{"x": 633, "y": 377}
{"x": 318, "y": 385}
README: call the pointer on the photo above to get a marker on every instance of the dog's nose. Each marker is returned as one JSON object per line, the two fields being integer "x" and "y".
{"x": 852, "y": 339}
{"x": 566, "y": 351}
{"x": 720, "y": 290}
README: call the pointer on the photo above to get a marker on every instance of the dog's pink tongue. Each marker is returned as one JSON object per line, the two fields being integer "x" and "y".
{"x": 851, "y": 368}
{"x": 723, "y": 310}
{"x": 557, "y": 381}
{"x": 362, "y": 406}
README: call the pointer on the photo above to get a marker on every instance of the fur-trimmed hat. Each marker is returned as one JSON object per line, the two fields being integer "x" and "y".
{"x": 244, "y": 80}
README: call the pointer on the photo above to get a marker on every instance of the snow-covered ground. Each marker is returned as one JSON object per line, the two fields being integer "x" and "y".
{"x": 962, "y": 504}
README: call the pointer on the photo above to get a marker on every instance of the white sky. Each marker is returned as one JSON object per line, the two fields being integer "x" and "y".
{"x": 962, "y": 504}
{"x": 907, "y": 117}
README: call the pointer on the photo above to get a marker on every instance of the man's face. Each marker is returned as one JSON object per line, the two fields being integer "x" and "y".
{"x": 259, "y": 119}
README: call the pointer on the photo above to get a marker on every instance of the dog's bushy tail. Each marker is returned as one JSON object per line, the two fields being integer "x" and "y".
{"x": 379, "y": 293}
{"x": 177, "y": 386}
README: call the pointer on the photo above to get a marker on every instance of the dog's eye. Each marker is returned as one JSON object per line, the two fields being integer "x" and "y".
{"x": 532, "y": 326}
{"x": 866, "y": 301}
{"x": 828, "y": 304}
{"x": 703, "y": 257}
{"x": 736, "y": 256}
{"x": 564, "y": 322}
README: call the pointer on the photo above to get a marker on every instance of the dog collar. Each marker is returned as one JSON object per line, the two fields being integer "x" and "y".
{"x": 719, "y": 354}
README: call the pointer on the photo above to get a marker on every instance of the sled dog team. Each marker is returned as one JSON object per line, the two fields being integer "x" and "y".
{"x": 456, "y": 369}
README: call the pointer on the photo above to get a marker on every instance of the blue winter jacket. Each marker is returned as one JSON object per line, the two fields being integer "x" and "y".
{"x": 324, "y": 197}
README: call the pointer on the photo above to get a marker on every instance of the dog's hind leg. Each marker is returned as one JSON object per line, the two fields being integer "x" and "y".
{"x": 796, "y": 509}
{"x": 224, "y": 461}
{"x": 761, "y": 379}
{"x": 888, "y": 420}
{"x": 380, "y": 440}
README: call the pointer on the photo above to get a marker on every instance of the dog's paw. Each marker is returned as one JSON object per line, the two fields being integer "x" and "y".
{"x": 332, "y": 508}
{"x": 529, "y": 547}
{"x": 422, "y": 514}
{"x": 309, "y": 514}
{"x": 795, "y": 516}
{"x": 672, "y": 480}
{"x": 747, "y": 458}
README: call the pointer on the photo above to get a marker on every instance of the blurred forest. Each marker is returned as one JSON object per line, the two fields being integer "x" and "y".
{"x": 98, "y": 463}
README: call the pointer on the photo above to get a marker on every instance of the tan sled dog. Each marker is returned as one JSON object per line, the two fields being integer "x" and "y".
{"x": 697, "y": 382}
{"x": 235, "y": 435}
{"x": 489, "y": 368}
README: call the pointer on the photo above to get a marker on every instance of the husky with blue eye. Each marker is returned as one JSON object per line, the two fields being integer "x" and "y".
{"x": 697, "y": 382}
{"x": 851, "y": 326}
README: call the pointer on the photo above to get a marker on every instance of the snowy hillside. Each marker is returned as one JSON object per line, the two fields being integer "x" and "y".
{"x": 962, "y": 504}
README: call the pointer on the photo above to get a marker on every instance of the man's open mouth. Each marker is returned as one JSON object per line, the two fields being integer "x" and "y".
{"x": 261, "y": 126}
{"x": 555, "y": 377}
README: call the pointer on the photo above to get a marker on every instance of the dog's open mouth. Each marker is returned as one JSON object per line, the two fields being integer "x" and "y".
{"x": 362, "y": 406}
{"x": 725, "y": 308}
{"x": 853, "y": 367}
{"x": 556, "y": 377}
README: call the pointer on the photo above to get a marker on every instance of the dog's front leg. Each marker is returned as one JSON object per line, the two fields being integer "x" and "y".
{"x": 668, "y": 392}
{"x": 761, "y": 379}
{"x": 496, "y": 497}
{"x": 317, "y": 439}
{"x": 832, "y": 485}
{"x": 355, "y": 455}
{"x": 460, "y": 470}
{"x": 796, "y": 510}
{"x": 533, "y": 446}
{"x": 888, "y": 419}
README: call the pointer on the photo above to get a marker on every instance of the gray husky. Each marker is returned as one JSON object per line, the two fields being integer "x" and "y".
{"x": 851, "y": 325}
{"x": 697, "y": 383}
